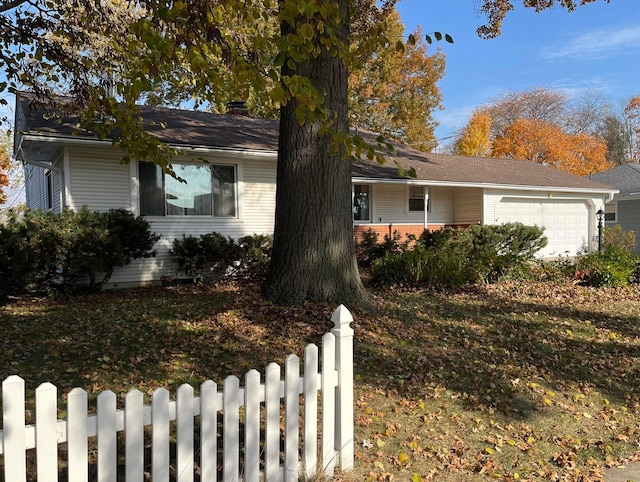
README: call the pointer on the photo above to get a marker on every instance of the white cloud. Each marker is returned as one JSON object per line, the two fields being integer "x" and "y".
{"x": 604, "y": 42}
{"x": 573, "y": 88}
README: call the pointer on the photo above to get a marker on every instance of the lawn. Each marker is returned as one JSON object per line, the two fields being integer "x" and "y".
{"x": 503, "y": 382}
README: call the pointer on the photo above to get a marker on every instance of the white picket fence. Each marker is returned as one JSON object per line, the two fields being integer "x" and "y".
{"x": 261, "y": 402}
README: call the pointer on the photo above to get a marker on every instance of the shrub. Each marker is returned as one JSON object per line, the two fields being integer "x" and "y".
{"x": 41, "y": 251}
{"x": 422, "y": 265}
{"x": 255, "y": 254}
{"x": 213, "y": 256}
{"x": 505, "y": 247}
{"x": 390, "y": 269}
{"x": 613, "y": 266}
{"x": 558, "y": 269}
{"x": 204, "y": 257}
{"x": 456, "y": 256}
{"x": 616, "y": 237}
{"x": 105, "y": 241}
{"x": 370, "y": 249}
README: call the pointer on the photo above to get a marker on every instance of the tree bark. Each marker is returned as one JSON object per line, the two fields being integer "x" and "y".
{"x": 313, "y": 248}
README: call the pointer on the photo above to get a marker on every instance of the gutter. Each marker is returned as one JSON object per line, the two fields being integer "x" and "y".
{"x": 19, "y": 156}
{"x": 363, "y": 180}
{"x": 186, "y": 150}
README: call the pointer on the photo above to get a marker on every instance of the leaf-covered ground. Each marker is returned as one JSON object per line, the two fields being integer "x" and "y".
{"x": 502, "y": 382}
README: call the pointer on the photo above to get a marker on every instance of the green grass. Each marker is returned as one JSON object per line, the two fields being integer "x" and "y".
{"x": 507, "y": 382}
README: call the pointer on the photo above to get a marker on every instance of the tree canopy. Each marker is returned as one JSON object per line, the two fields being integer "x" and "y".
{"x": 475, "y": 139}
{"x": 546, "y": 143}
{"x": 110, "y": 54}
{"x": 393, "y": 90}
{"x": 5, "y": 167}
{"x": 540, "y": 125}
{"x": 632, "y": 120}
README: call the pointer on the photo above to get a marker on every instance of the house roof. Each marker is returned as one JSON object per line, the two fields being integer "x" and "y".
{"x": 173, "y": 126}
{"x": 625, "y": 178}
{"x": 188, "y": 128}
{"x": 452, "y": 169}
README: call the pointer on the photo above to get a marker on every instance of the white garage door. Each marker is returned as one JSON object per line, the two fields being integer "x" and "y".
{"x": 566, "y": 223}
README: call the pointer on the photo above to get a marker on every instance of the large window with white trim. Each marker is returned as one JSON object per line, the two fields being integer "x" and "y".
{"x": 197, "y": 190}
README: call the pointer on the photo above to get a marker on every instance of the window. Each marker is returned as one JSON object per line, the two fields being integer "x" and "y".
{"x": 610, "y": 212}
{"x": 416, "y": 198}
{"x": 361, "y": 202}
{"x": 199, "y": 190}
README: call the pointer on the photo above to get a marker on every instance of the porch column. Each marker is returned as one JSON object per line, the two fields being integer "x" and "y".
{"x": 426, "y": 207}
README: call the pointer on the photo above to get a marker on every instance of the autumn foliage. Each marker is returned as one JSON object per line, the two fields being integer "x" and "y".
{"x": 5, "y": 162}
{"x": 539, "y": 125}
{"x": 394, "y": 89}
{"x": 475, "y": 140}
{"x": 545, "y": 143}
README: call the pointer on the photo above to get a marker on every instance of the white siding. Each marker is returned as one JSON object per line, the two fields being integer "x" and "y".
{"x": 35, "y": 187}
{"x": 390, "y": 205}
{"x": 259, "y": 195}
{"x": 56, "y": 177}
{"x": 441, "y": 201}
{"x": 98, "y": 180}
{"x": 491, "y": 197}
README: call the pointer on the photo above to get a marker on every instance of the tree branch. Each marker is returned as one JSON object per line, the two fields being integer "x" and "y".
{"x": 8, "y": 6}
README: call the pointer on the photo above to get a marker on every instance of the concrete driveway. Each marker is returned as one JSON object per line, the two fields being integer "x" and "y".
{"x": 630, "y": 473}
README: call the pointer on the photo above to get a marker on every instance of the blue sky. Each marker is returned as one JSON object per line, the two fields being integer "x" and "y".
{"x": 596, "y": 47}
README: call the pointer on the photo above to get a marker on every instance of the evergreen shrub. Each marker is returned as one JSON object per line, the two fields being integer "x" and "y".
{"x": 214, "y": 256}
{"x": 369, "y": 249}
{"x": 457, "y": 256}
{"x": 42, "y": 251}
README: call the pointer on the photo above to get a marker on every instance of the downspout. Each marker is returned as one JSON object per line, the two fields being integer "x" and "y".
{"x": 21, "y": 157}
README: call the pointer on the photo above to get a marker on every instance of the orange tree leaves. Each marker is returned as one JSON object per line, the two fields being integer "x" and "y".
{"x": 5, "y": 165}
{"x": 545, "y": 143}
{"x": 393, "y": 90}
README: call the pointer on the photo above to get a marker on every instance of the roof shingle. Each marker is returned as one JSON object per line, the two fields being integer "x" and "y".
{"x": 188, "y": 128}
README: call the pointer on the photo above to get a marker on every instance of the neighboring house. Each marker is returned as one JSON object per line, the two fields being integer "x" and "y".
{"x": 233, "y": 191}
{"x": 624, "y": 209}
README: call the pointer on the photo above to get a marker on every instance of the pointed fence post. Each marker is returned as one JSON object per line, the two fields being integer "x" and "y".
{"x": 344, "y": 391}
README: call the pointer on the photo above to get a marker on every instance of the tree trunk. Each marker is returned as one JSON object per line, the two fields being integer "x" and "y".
{"x": 313, "y": 248}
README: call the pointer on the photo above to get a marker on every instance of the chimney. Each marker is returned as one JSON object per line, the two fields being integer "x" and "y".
{"x": 237, "y": 107}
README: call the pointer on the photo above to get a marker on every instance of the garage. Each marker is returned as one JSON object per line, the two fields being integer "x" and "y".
{"x": 566, "y": 222}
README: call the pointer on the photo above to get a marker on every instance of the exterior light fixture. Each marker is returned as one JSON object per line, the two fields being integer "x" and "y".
{"x": 600, "y": 217}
